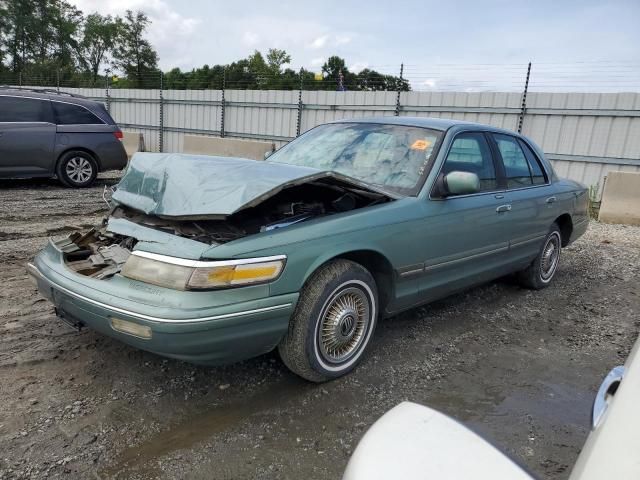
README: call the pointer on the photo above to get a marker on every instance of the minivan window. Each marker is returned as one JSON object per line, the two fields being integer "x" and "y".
{"x": 515, "y": 163}
{"x": 470, "y": 153}
{"x": 24, "y": 109}
{"x": 537, "y": 172}
{"x": 69, "y": 114}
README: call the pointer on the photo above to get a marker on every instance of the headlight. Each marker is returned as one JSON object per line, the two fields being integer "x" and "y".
{"x": 181, "y": 274}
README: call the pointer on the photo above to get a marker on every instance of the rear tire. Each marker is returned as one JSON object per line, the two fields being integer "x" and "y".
{"x": 77, "y": 169}
{"x": 539, "y": 274}
{"x": 333, "y": 322}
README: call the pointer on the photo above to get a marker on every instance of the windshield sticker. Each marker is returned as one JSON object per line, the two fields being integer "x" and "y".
{"x": 420, "y": 145}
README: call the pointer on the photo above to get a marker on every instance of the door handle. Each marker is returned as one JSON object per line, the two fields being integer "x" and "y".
{"x": 503, "y": 208}
{"x": 551, "y": 199}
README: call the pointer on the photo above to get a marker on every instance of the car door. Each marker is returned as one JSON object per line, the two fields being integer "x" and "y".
{"x": 530, "y": 196}
{"x": 27, "y": 136}
{"x": 466, "y": 236}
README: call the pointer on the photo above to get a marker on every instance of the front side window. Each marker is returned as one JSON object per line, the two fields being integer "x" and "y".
{"x": 24, "y": 109}
{"x": 393, "y": 157}
{"x": 515, "y": 163}
{"x": 69, "y": 114}
{"x": 470, "y": 152}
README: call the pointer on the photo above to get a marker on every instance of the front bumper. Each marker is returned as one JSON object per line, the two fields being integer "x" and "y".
{"x": 200, "y": 327}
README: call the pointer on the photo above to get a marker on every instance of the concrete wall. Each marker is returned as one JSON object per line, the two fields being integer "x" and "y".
{"x": 226, "y": 147}
{"x": 621, "y": 199}
{"x": 133, "y": 142}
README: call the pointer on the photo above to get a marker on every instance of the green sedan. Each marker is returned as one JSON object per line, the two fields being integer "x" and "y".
{"x": 213, "y": 260}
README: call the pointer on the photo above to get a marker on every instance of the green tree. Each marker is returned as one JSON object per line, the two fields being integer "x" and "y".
{"x": 133, "y": 54}
{"x": 99, "y": 34}
{"x": 276, "y": 58}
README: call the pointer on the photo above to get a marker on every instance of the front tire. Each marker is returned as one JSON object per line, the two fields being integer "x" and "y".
{"x": 333, "y": 322}
{"x": 539, "y": 274}
{"x": 77, "y": 169}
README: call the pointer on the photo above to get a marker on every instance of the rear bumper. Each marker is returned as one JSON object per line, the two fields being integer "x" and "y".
{"x": 112, "y": 155}
{"x": 216, "y": 335}
{"x": 578, "y": 230}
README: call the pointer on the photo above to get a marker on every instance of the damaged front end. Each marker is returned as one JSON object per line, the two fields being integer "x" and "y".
{"x": 97, "y": 253}
{"x": 191, "y": 203}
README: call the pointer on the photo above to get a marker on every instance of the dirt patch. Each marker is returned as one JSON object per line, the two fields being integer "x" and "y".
{"x": 520, "y": 367}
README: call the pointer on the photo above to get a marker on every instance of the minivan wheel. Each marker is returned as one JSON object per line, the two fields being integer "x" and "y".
{"x": 77, "y": 169}
{"x": 333, "y": 322}
{"x": 539, "y": 274}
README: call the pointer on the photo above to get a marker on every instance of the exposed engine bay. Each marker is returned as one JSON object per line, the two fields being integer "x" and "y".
{"x": 101, "y": 253}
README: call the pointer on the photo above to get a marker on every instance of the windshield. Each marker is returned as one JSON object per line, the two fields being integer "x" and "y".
{"x": 393, "y": 157}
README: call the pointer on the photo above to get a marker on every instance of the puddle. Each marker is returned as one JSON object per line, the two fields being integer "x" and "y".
{"x": 200, "y": 427}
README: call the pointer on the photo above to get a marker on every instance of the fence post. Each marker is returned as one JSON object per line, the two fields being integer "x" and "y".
{"x": 397, "y": 112}
{"x": 523, "y": 108}
{"x": 224, "y": 81}
{"x": 58, "y": 80}
{"x": 106, "y": 91}
{"x": 161, "y": 135}
{"x": 300, "y": 106}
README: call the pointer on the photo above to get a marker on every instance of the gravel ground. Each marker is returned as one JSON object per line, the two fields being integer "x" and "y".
{"x": 519, "y": 367}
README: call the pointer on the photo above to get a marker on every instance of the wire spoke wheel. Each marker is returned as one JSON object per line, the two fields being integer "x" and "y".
{"x": 344, "y": 323}
{"x": 550, "y": 257}
{"x": 79, "y": 169}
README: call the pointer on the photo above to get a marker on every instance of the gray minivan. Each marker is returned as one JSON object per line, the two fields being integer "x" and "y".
{"x": 45, "y": 133}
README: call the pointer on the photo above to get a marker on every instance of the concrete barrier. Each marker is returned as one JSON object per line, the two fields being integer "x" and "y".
{"x": 133, "y": 142}
{"x": 621, "y": 199}
{"x": 226, "y": 147}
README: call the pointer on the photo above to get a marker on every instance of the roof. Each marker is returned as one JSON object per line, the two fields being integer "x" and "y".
{"x": 424, "y": 122}
{"x": 46, "y": 94}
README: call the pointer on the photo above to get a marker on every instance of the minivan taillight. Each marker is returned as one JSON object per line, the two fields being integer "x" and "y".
{"x": 118, "y": 134}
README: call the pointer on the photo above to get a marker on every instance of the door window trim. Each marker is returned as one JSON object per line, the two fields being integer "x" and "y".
{"x": 517, "y": 138}
{"x": 500, "y": 188}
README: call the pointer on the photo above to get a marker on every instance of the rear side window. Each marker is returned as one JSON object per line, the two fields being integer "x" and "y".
{"x": 470, "y": 153}
{"x": 69, "y": 114}
{"x": 24, "y": 109}
{"x": 537, "y": 173}
{"x": 515, "y": 163}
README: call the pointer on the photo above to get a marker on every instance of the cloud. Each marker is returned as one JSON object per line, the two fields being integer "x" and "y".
{"x": 342, "y": 40}
{"x": 429, "y": 83}
{"x": 319, "y": 42}
{"x": 358, "y": 67}
{"x": 330, "y": 40}
{"x": 250, "y": 39}
{"x": 317, "y": 62}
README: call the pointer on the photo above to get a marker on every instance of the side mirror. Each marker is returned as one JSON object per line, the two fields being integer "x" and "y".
{"x": 457, "y": 183}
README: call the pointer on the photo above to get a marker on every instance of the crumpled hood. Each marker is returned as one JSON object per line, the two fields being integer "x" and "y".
{"x": 199, "y": 186}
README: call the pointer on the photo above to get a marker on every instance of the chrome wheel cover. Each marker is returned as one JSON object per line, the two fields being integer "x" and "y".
{"x": 550, "y": 257}
{"x": 79, "y": 169}
{"x": 344, "y": 324}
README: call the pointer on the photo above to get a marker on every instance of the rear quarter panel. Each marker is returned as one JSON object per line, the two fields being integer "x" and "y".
{"x": 97, "y": 139}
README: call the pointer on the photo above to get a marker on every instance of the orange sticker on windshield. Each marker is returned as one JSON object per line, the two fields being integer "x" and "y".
{"x": 420, "y": 145}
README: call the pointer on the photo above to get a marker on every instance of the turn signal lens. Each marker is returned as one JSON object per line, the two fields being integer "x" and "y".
{"x": 181, "y": 274}
{"x": 235, "y": 275}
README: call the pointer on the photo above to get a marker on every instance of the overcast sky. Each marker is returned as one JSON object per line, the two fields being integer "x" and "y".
{"x": 425, "y": 35}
